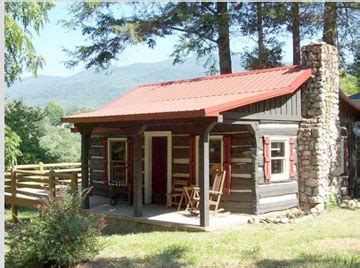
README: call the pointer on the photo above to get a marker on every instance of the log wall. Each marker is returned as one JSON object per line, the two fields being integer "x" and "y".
{"x": 242, "y": 198}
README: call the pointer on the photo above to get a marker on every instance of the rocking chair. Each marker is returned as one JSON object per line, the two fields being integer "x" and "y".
{"x": 214, "y": 194}
{"x": 173, "y": 198}
{"x": 117, "y": 184}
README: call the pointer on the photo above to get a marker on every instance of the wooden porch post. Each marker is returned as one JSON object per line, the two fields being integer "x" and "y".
{"x": 85, "y": 144}
{"x": 204, "y": 178}
{"x": 137, "y": 176}
{"x": 204, "y": 174}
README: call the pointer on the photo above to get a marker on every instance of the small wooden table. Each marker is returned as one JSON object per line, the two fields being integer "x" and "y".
{"x": 187, "y": 197}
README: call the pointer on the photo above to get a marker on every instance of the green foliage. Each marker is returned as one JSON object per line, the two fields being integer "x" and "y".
{"x": 263, "y": 22}
{"x": 270, "y": 57}
{"x": 60, "y": 144}
{"x": 12, "y": 144}
{"x": 349, "y": 84}
{"x": 40, "y": 141}
{"x": 78, "y": 110}
{"x": 331, "y": 202}
{"x": 61, "y": 235}
{"x": 54, "y": 111}
{"x": 202, "y": 29}
{"x": 354, "y": 68}
{"x": 28, "y": 123}
{"x": 21, "y": 20}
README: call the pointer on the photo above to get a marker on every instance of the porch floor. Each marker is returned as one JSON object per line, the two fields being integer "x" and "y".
{"x": 168, "y": 218}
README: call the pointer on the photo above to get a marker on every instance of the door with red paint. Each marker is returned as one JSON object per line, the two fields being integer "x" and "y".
{"x": 159, "y": 170}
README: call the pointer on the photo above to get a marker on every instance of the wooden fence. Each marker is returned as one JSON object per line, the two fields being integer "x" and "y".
{"x": 28, "y": 185}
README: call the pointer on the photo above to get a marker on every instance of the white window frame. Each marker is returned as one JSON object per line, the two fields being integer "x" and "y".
{"x": 285, "y": 174}
{"x": 109, "y": 157}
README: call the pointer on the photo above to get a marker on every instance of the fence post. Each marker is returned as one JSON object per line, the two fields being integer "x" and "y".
{"x": 74, "y": 183}
{"x": 41, "y": 167}
{"x": 14, "y": 209}
{"x": 52, "y": 183}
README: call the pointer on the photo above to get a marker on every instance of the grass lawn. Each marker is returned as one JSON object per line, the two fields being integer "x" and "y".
{"x": 329, "y": 240}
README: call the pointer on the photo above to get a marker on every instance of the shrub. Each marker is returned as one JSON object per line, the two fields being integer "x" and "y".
{"x": 331, "y": 202}
{"x": 60, "y": 235}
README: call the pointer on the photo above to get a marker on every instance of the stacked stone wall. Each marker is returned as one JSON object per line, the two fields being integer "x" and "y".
{"x": 319, "y": 132}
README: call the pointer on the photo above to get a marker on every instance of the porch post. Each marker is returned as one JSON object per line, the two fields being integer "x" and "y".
{"x": 85, "y": 143}
{"x": 138, "y": 178}
{"x": 204, "y": 178}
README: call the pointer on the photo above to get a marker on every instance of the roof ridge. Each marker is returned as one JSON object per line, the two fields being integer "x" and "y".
{"x": 220, "y": 76}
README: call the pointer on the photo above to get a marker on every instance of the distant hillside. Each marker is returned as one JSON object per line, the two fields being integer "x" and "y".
{"x": 94, "y": 89}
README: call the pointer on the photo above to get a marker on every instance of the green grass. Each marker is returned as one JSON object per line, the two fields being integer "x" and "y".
{"x": 329, "y": 240}
{"x": 23, "y": 213}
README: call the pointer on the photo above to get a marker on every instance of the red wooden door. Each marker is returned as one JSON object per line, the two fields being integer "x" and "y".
{"x": 159, "y": 170}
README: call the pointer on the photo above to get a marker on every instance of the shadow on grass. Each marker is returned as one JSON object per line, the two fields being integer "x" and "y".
{"x": 24, "y": 215}
{"x": 114, "y": 226}
{"x": 308, "y": 260}
{"x": 169, "y": 257}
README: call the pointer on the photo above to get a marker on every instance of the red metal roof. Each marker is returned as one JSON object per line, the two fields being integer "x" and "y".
{"x": 198, "y": 97}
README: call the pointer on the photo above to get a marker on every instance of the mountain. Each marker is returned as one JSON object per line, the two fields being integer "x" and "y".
{"x": 89, "y": 88}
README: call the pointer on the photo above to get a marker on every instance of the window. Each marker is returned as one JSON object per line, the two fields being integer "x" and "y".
{"x": 279, "y": 158}
{"x": 215, "y": 153}
{"x": 117, "y": 161}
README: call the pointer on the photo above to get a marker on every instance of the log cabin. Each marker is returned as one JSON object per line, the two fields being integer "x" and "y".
{"x": 263, "y": 127}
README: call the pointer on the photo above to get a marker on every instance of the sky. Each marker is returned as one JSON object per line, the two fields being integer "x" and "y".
{"x": 54, "y": 38}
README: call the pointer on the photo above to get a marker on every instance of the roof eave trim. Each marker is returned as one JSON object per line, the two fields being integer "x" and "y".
{"x": 134, "y": 117}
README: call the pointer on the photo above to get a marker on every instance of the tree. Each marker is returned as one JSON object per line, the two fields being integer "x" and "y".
{"x": 202, "y": 29}
{"x": 60, "y": 144}
{"x": 349, "y": 84}
{"x": 295, "y": 30}
{"x": 40, "y": 140}
{"x": 11, "y": 150}
{"x": 54, "y": 111}
{"x": 27, "y": 123}
{"x": 21, "y": 20}
{"x": 354, "y": 68}
{"x": 341, "y": 24}
{"x": 329, "y": 19}
{"x": 261, "y": 22}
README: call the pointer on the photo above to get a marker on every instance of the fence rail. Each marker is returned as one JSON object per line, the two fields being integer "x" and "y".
{"x": 28, "y": 185}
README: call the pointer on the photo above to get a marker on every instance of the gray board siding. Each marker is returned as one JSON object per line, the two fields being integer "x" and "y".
{"x": 283, "y": 108}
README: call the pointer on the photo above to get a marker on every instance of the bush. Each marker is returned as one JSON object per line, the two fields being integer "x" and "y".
{"x": 60, "y": 235}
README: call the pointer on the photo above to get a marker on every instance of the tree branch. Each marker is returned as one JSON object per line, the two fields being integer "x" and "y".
{"x": 192, "y": 32}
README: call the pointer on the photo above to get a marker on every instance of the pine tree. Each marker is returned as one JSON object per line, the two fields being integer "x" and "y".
{"x": 203, "y": 29}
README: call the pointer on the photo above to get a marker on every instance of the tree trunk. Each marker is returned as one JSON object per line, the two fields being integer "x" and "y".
{"x": 295, "y": 28}
{"x": 260, "y": 32}
{"x": 223, "y": 41}
{"x": 329, "y": 17}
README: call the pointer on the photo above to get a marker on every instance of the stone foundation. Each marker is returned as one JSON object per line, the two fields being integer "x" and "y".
{"x": 319, "y": 132}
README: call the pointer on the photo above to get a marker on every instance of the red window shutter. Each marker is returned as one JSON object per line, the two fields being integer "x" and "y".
{"x": 292, "y": 142}
{"x": 346, "y": 156}
{"x": 105, "y": 160}
{"x": 267, "y": 174}
{"x": 130, "y": 157}
{"x": 192, "y": 160}
{"x": 227, "y": 164}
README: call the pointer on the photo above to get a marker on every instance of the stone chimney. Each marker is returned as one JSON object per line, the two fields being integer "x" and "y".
{"x": 319, "y": 132}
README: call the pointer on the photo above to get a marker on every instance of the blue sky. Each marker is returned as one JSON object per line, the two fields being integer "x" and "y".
{"x": 54, "y": 37}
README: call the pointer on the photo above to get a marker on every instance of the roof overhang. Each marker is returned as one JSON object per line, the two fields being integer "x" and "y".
{"x": 206, "y": 112}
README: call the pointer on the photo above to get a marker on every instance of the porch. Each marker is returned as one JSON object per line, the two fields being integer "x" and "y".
{"x": 159, "y": 217}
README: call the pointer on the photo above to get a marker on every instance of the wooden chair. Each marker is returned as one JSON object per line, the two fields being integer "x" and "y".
{"x": 117, "y": 184}
{"x": 214, "y": 194}
{"x": 176, "y": 192}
